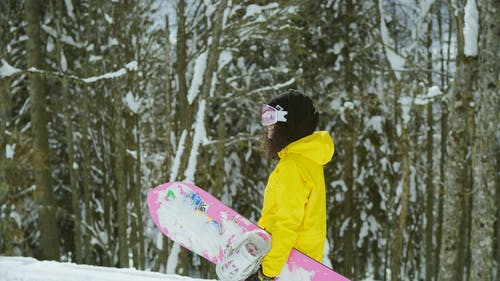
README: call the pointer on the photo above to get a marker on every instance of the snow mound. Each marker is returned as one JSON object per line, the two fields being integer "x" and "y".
{"x": 30, "y": 269}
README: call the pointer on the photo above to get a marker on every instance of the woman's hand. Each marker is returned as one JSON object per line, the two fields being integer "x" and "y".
{"x": 259, "y": 276}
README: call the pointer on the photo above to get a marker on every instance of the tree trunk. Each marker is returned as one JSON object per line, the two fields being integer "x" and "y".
{"x": 497, "y": 222}
{"x": 4, "y": 100}
{"x": 350, "y": 150}
{"x": 209, "y": 79}
{"x": 75, "y": 191}
{"x": 120, "y": 181}
{"x": 456, "y": 198}
{"x": 184, "y": 119}
{"x": 73, "y": 182}
{"x": 43, "y": 195}
{"x": 7, "y": 241}
{"x": 72, "y": 166}
{"x": 443, "y": 145}
{"x": 86, "y": 180}
{"x": 134, "y": 175}
{"x": 86, "y": 148}
{"x": 429, "y": 184}
{"x": 484, "y": 211}
{"x": 348, "y": 178}
{"x": 169, "y": 131}
{"x": 430, "y": 195}
{"x": 397, "y": 244}
{"x": 218, "y": 188}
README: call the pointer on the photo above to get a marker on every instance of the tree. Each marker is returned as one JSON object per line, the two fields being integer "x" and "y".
{"x": 397, "y": 245}
{"x": 194, "y": 116}
{"x": 485, "y": 209}
{"x": 44, "y": 197}
{"x": 71, "y": 165}
{"x": 459, "y": 169}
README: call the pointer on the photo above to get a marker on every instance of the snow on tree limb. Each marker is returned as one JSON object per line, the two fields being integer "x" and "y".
{"x": 6, "y": 70}
{"x": 131, "y": 66}
{"x": 199, "y": 136}
{"x": 197, "y": 81}
{"x": 471, "y": 28}
{"x": 274, "y": 87}
{"x": 396, "y": 61}
{"x": 174, "y": 171}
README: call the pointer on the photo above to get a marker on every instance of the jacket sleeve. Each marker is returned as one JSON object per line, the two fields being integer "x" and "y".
{"x": 291, "y": 194}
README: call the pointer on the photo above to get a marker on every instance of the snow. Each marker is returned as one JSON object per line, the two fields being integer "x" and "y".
{"x": 132, "y": 153}
{"x": 406, "y": 103}
{"x": 64, "y": 63}
{"x": 173, "y": 258}
{"x": 349, "y": 105}
{"x": 256, "y": 10}
{"x": 376, "y": 123}
{"x": 50, "y": 45}
{"x": 30, "y": 269}
{"x": 133, "y": 103}
{"x": 471, "y": 28}
{"x": 326, "y": 251}
{"x": 299, "y": 274}
{"x": 94, "y": 58}
{"x": 9, "y": 151}
{"x": 434, "y": 91}
{"x": 15, "y": 216}
{"x": 337, "y": 47}
{"x": 199, "y": 69}
{"x": 7, "y": 70}
{"x": 199, "y": 136}
{"x": 131, "y": 66}
{"x": 177, "y": 158}
{"x": 108, "y": 18}
{"x": 63, "y": 37}
{"x": 274, "y": 87}
{"x": 396, "y": 61}
{"x": 109, "y": 75}
{"x": 425, "y": 7}
{"x": 224, "y": 58}
{"x": 369, "y": 225}
{"x": 69, "y": 9}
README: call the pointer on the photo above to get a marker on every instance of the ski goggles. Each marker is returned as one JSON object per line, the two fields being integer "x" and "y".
{"x": 270, "y": 115}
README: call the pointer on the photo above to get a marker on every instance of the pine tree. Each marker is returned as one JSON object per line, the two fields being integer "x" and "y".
{"x": 43, "y": 195}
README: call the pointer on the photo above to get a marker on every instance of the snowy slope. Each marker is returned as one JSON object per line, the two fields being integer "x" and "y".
{"x": 29, "y": 269}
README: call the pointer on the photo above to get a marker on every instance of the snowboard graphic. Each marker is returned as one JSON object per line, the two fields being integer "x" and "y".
{"x": 202, "y": 224}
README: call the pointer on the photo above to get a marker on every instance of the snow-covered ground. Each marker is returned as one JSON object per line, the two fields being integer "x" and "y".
{"x": 30, "y": 269}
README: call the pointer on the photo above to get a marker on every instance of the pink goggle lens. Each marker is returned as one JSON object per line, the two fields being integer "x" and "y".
{"x": 268, "y": 115}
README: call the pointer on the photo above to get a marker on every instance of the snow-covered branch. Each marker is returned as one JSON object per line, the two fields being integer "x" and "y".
{"x": 274, "y": 87}
{"x": 6, "y": 70}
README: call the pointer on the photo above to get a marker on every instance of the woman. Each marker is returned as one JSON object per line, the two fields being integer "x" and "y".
{"x": 294, "y": 210}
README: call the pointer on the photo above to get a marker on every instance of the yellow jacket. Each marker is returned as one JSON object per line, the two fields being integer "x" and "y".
{"x": 294, "y": 210}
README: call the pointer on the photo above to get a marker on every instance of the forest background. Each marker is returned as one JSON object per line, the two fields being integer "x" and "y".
{"x": 103, "y": 100}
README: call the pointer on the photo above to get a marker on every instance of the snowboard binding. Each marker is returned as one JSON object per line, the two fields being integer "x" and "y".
{"x": 245, "y": 257}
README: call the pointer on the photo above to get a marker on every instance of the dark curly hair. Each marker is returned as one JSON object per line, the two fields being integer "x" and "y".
{"x": 302, "y": 120}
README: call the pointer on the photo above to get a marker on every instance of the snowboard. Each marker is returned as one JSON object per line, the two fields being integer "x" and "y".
{"x": 199, "y": 222}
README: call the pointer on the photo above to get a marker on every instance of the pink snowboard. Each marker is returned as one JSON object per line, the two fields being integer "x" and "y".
{"x": 202, "y": 224}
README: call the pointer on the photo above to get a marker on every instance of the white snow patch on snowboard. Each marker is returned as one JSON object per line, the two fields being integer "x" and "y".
{"x": 296, "y": 274}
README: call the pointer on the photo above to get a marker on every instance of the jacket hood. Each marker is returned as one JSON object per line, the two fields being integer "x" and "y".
{"x": 318, "y": 147}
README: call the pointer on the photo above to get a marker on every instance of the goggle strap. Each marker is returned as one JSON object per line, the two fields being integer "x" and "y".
{"x": 280, "y": 115}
